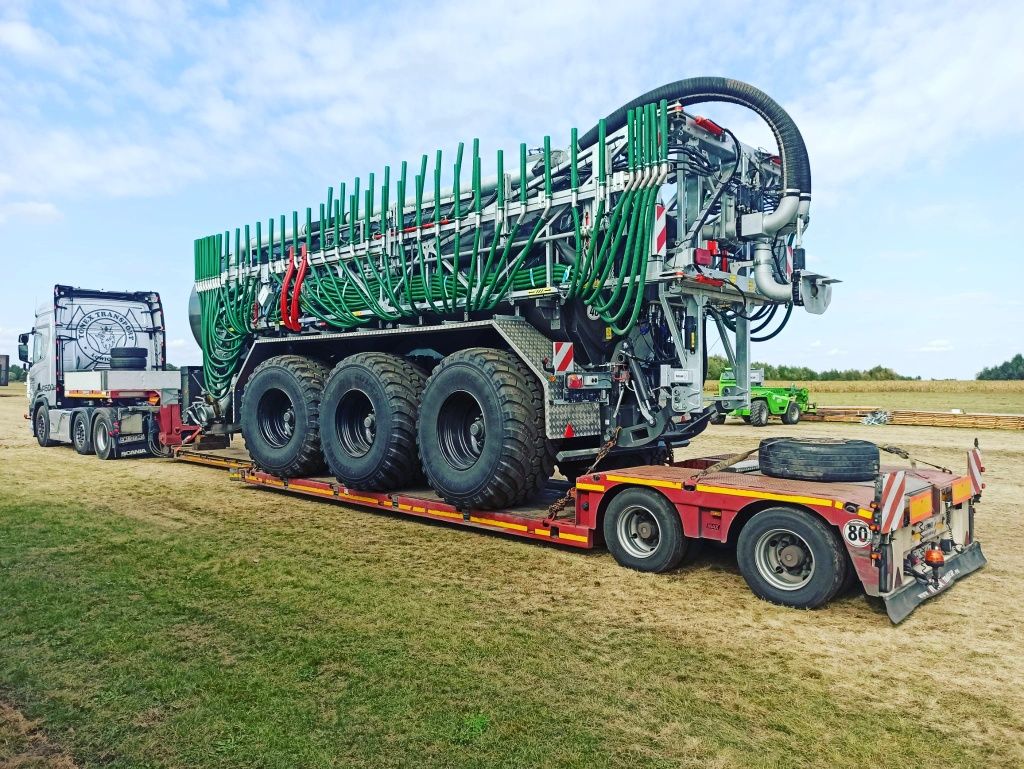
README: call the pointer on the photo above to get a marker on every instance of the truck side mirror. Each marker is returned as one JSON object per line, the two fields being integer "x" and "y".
{"x": 23, "y": 348}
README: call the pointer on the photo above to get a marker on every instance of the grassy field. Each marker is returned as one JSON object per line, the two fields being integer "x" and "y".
{"x": 153, "y": 614}
{"x": 971, "y": 396}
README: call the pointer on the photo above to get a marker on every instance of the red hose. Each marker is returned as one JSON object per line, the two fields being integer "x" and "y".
{"x": 285, "y": 318}
{"x": 293, "y": 316}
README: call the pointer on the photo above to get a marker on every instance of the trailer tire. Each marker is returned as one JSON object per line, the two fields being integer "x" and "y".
{"x": 643, "y": 531}
{"x": 759, "y": 413}
{"x": 479, "y": 430}
{"x": 81, "y": 433}
{"x": 818, "y": 459}
{"x": 281, "y": 415}
{"x": 128, "y": 352}
{"x": 792, "y": 414}
{"x": 103, "y": 441}
{"x": 368, "y": 421}
{"x": 791, "y": 557}
{"x": 41, "y": 426}
{"x": 128, "y": 364}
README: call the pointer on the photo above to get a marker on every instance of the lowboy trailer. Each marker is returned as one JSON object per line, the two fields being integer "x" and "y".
{"x": 906, "y": 534}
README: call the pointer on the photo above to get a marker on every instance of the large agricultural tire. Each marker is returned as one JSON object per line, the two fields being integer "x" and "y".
{"x": 103, "y": 441}
{"x": 81, "y": 433}
{"x": 643, "y": 531}
{"x": 281, "y": 415}
{"x": 368, "y": 421}
{"x": 41, "y": 426}
{"x": 791, "y": 557}
{"x": 480, "y": 431}
{"x": 759, "y": 413}
{"x": 792, "y": 414}
{"x": 819, "y": 459}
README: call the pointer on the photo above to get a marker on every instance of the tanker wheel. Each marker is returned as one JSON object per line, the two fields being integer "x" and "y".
{"x": 481, "y": 430}
{"x": 81, "y": 435}
{"x": 792, "y": 415}
{"x": 368, "y": 421}
{"x": 281, "y": 415}
{"x": 758, "y": 413}
{"x": 791, "y": 557}
{"x": 643, "y": 531}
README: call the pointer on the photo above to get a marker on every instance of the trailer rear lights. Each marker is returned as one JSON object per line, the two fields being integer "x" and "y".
{"x": 934, "y": 557}
{"x": 574, "y": 382}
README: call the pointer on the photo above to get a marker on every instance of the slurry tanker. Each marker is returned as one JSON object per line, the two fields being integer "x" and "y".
{"x": 481, "y": 333}
{"x": 472, "y": 335}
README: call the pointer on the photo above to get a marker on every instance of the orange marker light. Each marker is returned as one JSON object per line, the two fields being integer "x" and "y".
{"x": 934, "y": 557}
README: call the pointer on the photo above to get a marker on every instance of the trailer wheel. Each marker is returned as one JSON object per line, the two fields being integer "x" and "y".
{"x": 281, "y": 415}
{"x": 102, "y": 440}
{"x": 81, "y": 434}
{"x": 368, "y": 421}
{"x": 792, "y": 558}
{"x": 818, "y": 459}
{"x": 758, "y": 413}
{"x": 643, "y": 531}
{"x": 792, "y": 415}
{"x": 41, "y": 423}
{"x": 479, "y": 430}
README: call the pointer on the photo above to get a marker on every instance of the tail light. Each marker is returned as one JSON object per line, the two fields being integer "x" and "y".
{"x": 574, "y": 381}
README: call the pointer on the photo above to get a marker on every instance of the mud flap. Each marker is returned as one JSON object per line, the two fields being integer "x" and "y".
{"x": 902, "y": 602}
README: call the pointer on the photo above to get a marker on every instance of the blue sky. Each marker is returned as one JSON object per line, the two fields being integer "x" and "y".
{"x": 128, "y": 129}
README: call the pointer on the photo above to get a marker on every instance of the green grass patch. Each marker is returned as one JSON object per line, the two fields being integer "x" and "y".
{"x": 245, "y": 644}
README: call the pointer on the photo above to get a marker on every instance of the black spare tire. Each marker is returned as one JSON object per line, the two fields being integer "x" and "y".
{"x": 819, "y": 459}
{"x": 280, "y": 415}
{"x": 127, "y": 352}
{"x": 127, "y": 364}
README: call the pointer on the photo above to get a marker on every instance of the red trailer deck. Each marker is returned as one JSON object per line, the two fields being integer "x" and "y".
{"x": 906, "y": 535}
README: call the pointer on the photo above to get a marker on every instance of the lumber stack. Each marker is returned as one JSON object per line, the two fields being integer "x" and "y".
{"x": 917, "y": 418}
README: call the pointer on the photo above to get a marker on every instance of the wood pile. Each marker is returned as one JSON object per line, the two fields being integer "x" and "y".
{"x": 919, "y": 418}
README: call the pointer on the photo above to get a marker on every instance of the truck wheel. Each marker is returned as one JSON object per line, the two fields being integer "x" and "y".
{"x": 368, "y": 421}
{"x": 281, "y": 415}
{"x": 479, "y": 430}
{"x": 792, "y": 558}
{"x": 792, "y": 415}
{"x": 818, "y": 459}
{"x": 102, "y": 441}
{"x": 642, "y": 531}
{"x": 81, "y": 434}
{"x": 759, "y": 413}
{"x": 41, "y": 424}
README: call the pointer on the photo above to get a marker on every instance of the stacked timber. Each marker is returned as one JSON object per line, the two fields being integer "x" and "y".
{"x": 877, "y": 415}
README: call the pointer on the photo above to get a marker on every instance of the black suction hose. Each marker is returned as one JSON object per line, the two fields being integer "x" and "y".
{"x": 796, "y": 166}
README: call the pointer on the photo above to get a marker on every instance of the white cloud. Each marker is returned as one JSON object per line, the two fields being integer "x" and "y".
{"x": 936, "y": 345}
{"x": 175, "y": 344}
{"x": 29, "y": 209}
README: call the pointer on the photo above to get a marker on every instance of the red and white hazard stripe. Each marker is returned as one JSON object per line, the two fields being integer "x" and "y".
{"x": 659, "y": 239}
{"x": 891, "y": 505}
{"x": 975, "y": 469}
{"x": 563, "y": 357}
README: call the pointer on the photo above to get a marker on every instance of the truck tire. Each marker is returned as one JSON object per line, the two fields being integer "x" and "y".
{"x": 81, "y": 433}
{"x": 643, "y": 531}
{"x": 791, "y": 557}
{"x": 281, "y": 415}
{"x": 792, "y": 414}
{"x": 368, "y": 421}
{"x": 758, "y": 413}
{"x": 103, "y": 441}
{"x": 480, "y": 430}
{"x": 128, "y": 352}
{"x": 41, "y": 426}
{"x": 127, "y": 364}
{"x": 819, "y": 459}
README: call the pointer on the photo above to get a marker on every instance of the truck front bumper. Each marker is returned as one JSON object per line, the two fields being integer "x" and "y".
{"x": 900, "y": 603}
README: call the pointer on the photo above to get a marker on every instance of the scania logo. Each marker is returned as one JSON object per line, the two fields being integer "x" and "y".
{"x": 100, "y": 330}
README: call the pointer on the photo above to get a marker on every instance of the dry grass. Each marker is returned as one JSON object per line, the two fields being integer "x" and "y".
{"x": 160, "y": 616}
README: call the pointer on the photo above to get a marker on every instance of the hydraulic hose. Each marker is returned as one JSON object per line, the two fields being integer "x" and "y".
{"x": 796, "y": 166}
